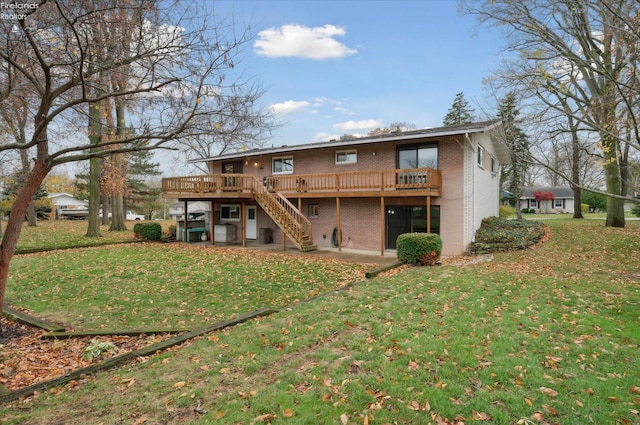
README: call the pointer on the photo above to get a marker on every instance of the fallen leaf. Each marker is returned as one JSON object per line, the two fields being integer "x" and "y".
{"x": 265, "y": 418}
{"x": 549, "y": 391}
{"x": 142, "y": 419}
{"x": 179, "y": 385}
{"x": 550, "y": 410}
{"x": 479, "y": 416}
{"x": 287, "y": 413}
{"x": 344, "y": 419}
{"x": 634, "y": 390}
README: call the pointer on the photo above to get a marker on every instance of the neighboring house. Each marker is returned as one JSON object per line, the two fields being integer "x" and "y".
{"x": 359, "y": 193}
{"x": 66, "y": 206}
{"x": 562, "y": 202}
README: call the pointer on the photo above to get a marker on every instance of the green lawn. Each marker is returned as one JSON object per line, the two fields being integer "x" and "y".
{"x": 155, "y": 285}
{"x": 545, "y": 336}
{"x": 62, "y": 234}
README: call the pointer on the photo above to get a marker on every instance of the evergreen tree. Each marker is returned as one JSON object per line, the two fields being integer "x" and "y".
{"x": 42, "y": 203}
{"x": 459, "y": 113}
{"x": 141, "y": 194}
{"x": 513, "y": 174}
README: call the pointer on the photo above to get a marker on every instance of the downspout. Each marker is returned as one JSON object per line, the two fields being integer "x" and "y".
{"x": 473, "y": 188}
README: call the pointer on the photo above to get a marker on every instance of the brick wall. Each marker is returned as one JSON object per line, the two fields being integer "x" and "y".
{"x": 360, "y": 217}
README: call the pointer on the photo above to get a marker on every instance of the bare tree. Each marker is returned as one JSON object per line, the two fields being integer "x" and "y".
{"x": 586, "y": 52}
{"x": 175, "y": 66}
{"x": 240, "y": 123}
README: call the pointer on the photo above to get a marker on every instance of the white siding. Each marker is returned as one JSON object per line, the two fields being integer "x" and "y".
{"x": 486, "y": 192}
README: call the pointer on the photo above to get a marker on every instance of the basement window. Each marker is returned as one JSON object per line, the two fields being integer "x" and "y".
{"x": 314, "y": 210}
{"x": 230, "y": 212}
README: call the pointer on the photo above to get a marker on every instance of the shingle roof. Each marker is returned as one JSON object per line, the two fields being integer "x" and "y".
{"x": 558, "y": 191}
{"x": 478, "y": 127}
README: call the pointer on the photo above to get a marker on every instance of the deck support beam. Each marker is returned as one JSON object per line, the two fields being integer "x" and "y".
{"x": 185, "y": 235}
{"x": 382, "y": 227}
{"x": 338, "y": 224}
{"x": 244, "y": 223}
{"x": 428, "y": 214}
{"x": 212, "y": 218}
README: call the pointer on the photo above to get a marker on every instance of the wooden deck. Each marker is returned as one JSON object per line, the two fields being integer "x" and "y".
{"x": 388, "y": 183}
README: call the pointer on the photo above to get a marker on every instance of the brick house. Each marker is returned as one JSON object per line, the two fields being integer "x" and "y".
{"x": 359, "y": 193}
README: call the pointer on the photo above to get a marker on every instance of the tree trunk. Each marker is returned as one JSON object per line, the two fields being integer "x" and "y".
{"x": 577, "y": 202}
{"x": 575, "y": 170}
{"x": 95, "y": 137}
{"x": 105, "y": 209}
{"x": 613, "y": 181}
{"x": 117, "y": 214}
{"x": 31, "y": 214}
{"x": 16, "y": 221}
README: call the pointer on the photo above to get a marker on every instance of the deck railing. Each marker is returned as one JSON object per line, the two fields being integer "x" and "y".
{"x": 380, "y": 180}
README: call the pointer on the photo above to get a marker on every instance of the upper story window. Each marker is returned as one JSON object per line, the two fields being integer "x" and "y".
{"x": 282, "y": 165}
{"x": 494, "y": 165}
{"x": 424, "y": 156}
{"x": 346, "y": 157}
{"x": 480, "y": 156}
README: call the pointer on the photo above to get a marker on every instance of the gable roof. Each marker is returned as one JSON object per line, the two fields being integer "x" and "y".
{"x": 558, "y": 191}
{"x": 494, "y": 128}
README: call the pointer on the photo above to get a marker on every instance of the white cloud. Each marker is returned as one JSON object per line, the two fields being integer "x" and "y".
{"x": 299, "y": 41}
{"x": 324, "y": 136}
{"x": 358, "y": 125}
{"x": 288, "y": 107}
{"x": 344, "y": 111}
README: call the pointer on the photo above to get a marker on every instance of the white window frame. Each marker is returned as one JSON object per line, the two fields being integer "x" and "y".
{"x": 556, "y": 202}
{"x": 281, "y": 158}
{"x": 533, "y": 203}
{"x": 494, "y": 165}
{"x": 480, "y": 157}
{"x": 229, "y": 208}
{"x": 314, "y": 210}
{"x": 347, "y": 153}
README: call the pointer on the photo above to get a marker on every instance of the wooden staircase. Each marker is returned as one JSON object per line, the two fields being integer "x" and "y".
{"x": 288, "y": 218}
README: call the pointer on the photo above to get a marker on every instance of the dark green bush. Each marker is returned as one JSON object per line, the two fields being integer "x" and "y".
{"x": 148, "y": 231}
{"x": 635, "y": 210}
{"x": 412, "y": 246}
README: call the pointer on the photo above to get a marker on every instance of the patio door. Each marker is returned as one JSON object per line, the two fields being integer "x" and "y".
{"x": 252, "y": 222}
{"x": 409, "y": 219}
{"x": 232, "y": 183}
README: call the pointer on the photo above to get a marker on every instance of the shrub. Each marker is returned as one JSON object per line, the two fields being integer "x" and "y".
{"x": 635, "y": 210}
{"x": 412, "y": 248}
{"x": 148, "y": 231}
{"x": 584, "y": 208}
{"x": 499, "y": 234}
{"x": 506, "y": 211}
{"x": 98, "y": 349}
{"x": 525, "y": 211}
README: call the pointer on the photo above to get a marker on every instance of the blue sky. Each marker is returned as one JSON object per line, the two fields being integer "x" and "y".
{"x": 346, "y": 67}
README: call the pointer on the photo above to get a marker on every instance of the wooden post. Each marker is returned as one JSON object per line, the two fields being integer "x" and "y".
{"x": 185, "y": 235}
{"x": 428, "y": 214}
{"x": 213, "y": 222}
{"x": 382, "y": 226}
{"x": 284, "y": 241}
{"x": 243, "y": 212}
{"x": 338, "y": 224}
